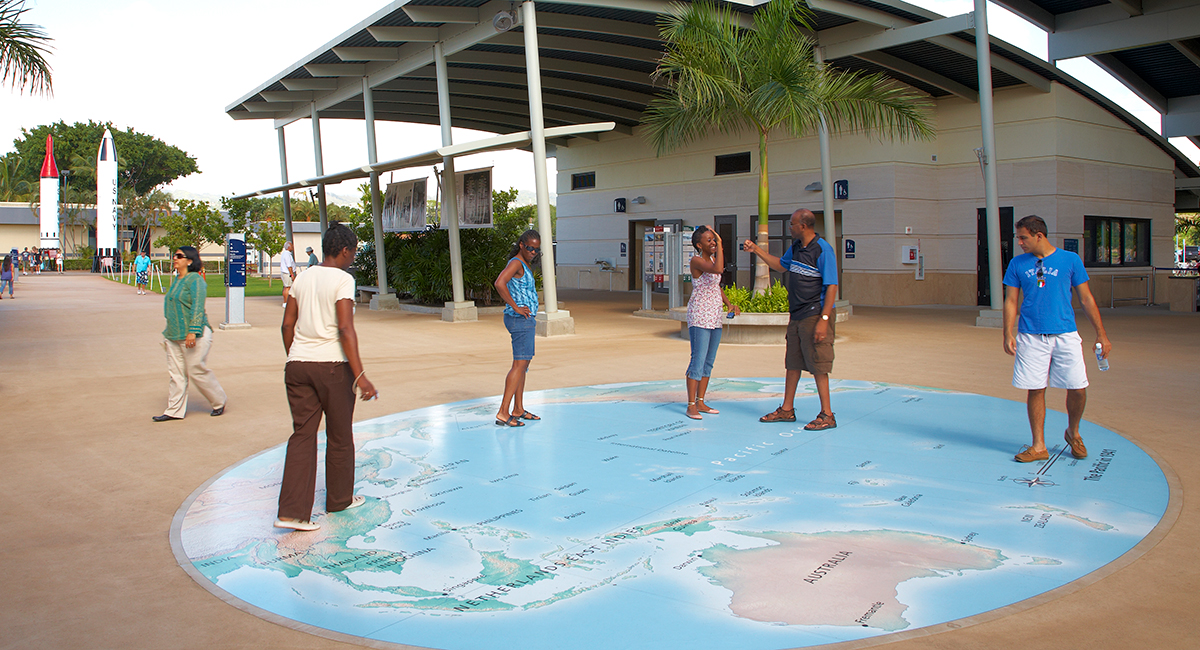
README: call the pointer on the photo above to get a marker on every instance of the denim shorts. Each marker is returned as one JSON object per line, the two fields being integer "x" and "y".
{"x": 522, "y": 330}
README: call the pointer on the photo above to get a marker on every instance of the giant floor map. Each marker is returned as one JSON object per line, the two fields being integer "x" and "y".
{"x": 617, "y": 522}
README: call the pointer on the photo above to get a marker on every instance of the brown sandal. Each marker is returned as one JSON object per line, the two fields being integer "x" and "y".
{"x": 821, "y": 422}
{"x": 779, "y": 415}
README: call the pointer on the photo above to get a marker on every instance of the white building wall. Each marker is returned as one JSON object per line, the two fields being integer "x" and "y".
{"x": 1061, "y": 157}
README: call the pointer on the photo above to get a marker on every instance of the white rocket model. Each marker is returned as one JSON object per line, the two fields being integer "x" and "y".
{"x": 106, "y": 198}
{"x": 48, "y": 198}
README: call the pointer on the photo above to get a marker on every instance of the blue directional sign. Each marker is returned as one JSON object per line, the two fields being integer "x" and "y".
{"x": 236, "y": 253}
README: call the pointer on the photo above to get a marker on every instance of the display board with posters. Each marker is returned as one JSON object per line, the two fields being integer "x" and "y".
{"x": 404, "y": 206}
{"x": 474, "y": 193}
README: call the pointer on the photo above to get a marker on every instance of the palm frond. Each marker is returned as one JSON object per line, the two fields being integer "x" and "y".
{"x": 23, "y": 50}
{"x": 854, "y": 102}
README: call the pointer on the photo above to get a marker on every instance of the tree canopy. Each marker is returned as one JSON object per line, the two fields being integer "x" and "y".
{"x": 144, "y": 162}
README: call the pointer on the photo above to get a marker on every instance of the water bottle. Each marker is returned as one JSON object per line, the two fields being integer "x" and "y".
{"x": 1100, "y": 360}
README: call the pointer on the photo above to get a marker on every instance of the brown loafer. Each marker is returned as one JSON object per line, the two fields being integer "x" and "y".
{"x": 1029, "y": 455}
{"x": 821, "y": 422}
{"x": 779, "y": 415}
{"x": 1077, "y": 448}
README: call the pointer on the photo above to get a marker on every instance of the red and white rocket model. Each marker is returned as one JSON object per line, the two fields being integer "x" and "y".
{"x": 48, "y": 198}
{"x": 106, "y": 198}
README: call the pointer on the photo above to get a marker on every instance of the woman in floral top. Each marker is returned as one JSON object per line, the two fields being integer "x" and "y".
{"x": 188, "y": 338}
{"x": 705, "y": 316}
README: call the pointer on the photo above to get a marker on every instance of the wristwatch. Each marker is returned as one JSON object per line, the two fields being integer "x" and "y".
{"x": 824, "y": 316}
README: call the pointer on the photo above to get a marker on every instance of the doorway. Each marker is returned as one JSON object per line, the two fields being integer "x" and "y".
{"x": 726, "y": 227}
{"x": 637, "y": 250}
{"x": 982, "y": 270}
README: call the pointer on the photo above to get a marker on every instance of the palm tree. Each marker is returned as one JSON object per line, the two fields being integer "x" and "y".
{"x": 721, "y": 77}
{"x": 12, "y": 189}
{"x": 23, "y": 49}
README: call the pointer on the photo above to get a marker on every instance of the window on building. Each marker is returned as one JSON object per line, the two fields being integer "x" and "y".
{"x": 1116, "y": 241}
{"x": 583, "y": 181}
{"x": 734, "y": 163}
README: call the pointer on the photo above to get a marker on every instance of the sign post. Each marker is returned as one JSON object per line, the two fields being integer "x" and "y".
{"x": 235, "y": 282}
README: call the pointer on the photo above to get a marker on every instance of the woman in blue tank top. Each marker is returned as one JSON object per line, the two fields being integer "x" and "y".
{"x": 519, "y": 292}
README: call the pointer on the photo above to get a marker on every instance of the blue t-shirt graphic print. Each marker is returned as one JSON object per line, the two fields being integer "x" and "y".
{"x": 1046, "y": 309}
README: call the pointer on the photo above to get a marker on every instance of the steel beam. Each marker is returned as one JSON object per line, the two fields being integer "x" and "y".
{"x": 1128, "y": 33}
{"x": 952, "y": 43}
{"x": 1182, "y": 118}
{"x": 319, "y": 167}
{"x": 517, "y": 62}
{"x": 433, "y": 14}
{"x": 319, "y": 83}
{"x": 376, "y": 199}
{"x": 987, "y": 120}
{"x": 537, "y": 133}
{"x": 1132, "y": 81}
{"x": 896, "y": 64}
{"x": 283, "y": 175}
{"x": 582, "y": 46}
{"x": 387, "y": 34}
{"x": 367, "y": 53}
{"x": 904, "y": 35}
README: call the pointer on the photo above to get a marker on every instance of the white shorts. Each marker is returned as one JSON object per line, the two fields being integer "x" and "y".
{"x": 1056, "y": 359}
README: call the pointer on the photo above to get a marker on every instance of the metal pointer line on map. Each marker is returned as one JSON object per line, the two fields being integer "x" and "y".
{"x": 1053, "y": 460}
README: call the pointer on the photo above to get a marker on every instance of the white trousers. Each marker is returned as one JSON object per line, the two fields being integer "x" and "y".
{"x": 186, "y": 364}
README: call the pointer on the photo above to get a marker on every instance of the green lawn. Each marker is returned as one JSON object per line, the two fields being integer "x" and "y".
{"x": 255, "y": 286}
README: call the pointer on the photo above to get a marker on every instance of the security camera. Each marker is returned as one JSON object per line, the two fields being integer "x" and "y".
{"x": 503, "y": 21}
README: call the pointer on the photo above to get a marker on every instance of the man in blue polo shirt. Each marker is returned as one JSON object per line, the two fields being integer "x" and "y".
{"x": 1046, "y": 345}
{"x": 809, "y": 270}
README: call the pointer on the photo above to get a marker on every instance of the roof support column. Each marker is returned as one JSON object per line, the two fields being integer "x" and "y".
{"x": 319, "y": 163}
{"x": 826, "y": 172}
{"x": 983, "y": 58}
{"x": 552, "y": 322}
{"x": 384, "y": 299}
{"x": 459, "y": 309}
{"x": 287, "y": 196}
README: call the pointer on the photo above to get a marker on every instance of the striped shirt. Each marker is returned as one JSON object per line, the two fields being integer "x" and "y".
{"x": 184, "y": 307}
{"x": 523, "y": 291}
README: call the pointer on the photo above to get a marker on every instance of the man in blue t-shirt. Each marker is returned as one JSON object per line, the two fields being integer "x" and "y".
{"x": 809, "y": 270}
{"x": 1047, "y": 348}
{"x": 141, "y": 268}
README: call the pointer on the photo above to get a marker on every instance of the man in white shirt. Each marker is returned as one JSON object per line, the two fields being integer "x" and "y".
{"x": 287, "y": 270}
{"x": 323, "y": 369}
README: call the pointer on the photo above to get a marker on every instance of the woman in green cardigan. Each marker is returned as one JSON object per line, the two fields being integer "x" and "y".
{"x": 188, "y": 338}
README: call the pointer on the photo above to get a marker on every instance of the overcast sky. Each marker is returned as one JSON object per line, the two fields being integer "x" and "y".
{"x": 169, "y": 69}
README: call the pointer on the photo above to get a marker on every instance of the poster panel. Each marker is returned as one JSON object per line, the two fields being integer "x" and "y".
{"x": 404, "y": 206}
{"x": 474, "y": 190}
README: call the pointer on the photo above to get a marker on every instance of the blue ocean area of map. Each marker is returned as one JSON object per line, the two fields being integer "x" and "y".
{"x": 616, "y": 521}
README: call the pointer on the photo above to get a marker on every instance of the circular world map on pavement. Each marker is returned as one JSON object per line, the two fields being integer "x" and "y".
{"x": 615, "y": 521}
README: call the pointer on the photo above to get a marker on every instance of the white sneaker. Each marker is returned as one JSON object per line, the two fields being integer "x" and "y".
{"x": 296, "y": 524}
{"x": 357, "y": 501}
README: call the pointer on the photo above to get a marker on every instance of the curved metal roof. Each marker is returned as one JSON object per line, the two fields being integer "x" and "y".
{"x": 597, "y": 57}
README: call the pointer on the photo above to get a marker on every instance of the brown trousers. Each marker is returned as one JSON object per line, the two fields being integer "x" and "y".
{"x": 312, "y": 389}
